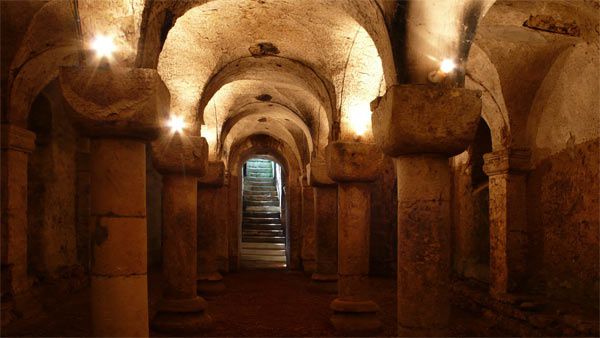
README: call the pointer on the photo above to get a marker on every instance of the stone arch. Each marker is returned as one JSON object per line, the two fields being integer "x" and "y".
{"x": 482, "y": 75}
{"x": 41, "y": 53}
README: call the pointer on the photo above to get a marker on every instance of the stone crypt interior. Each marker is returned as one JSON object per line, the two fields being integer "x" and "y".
{"x": 300, "y": 168}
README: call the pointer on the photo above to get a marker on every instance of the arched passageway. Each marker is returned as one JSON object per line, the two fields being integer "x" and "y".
{"x": 410, "y": 168}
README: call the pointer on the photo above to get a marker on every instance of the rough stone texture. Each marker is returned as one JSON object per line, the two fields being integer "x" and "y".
{"x": 316, "y": 173}
{"x": 119, "y": 306}
{"x": 53, "y": 234}
{"x": 180, "y": 154}
{"x": 212, "y": 227}
{"x": 326, "y": 227}
{"x": 83, "y": 203}
{"x": 423, "y": 244}
{"x": 179, "y": 258}
{"x": 154, "y": 212}
{"x": 308, "y": 228}
{"x": 119, "y": 297}
{"x": 234, "y": 224}
{"x": 132, "y": 103}
{"x": 354, "y": 313}
{"x": 353, "y": 161}
{"x": 562, "y": 193}
{"x": 16, "y": 145}
{"x": 447, "y": 119}
{"x": 293, "y": 207}
{"x": 507, "y": 171}
{"x": 384, "y": 220}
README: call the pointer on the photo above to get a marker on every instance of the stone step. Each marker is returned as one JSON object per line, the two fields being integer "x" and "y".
{"x": 263, "y": 209}
{"x": 261, "y": 188}
{"x": 270, "y": 232}
{"x": 264, "y": 246}
{"x": 255, "y": 203}
{"x": 256, "y": 226}
{"x": 254, "y": 214}
{"x": 261, "y": 198}
{"x": 259, "y": 179}
{"x": 259, "y": 184}
{"x": 263, "y": 252}
{"x": 268, "y": 258}
{"x": 264, "y": 239}
{"x": 261, "y": 175}
{"x": 262, "y": 220}
{"x": 260, "y": 193}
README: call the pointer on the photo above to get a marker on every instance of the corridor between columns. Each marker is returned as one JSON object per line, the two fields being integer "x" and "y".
{"x": 307, "y": 167}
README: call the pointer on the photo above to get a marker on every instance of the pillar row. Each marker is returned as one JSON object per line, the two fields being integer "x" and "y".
{"x": 507, "y": 170}
{"x": 308, "y": 227}
{"x": 181, "y": 160}
{"x": 354, "y": 166}
{"x": 212, "y": 228}
{"x": 421, "y": 126}
{"x": 119, "y": 283}
{"x": 325, "y": 202}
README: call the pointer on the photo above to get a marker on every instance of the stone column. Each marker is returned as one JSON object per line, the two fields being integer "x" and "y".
{"x": 308, "y": 227}
{"x": 223, "y": 234}
{"x": 325, "y": 277}
{"x": 421, "y": 127}
{"x": 181, "y": 160}
{"x": 17, "y": 144}
{"x": 354, "y": 166}
{"x": 83, "y": 227}
{"x": 212, "y": 211}
{"x": 234, "y": 198}
{"x": 119, "y": 284}
{"x": 507, "y": 170}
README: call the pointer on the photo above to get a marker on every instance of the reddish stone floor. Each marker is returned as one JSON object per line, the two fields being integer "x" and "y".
{"x": 257, "y": 303}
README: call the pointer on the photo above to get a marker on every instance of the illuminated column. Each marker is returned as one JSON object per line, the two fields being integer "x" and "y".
{"x": 507, "y": 170}
{"x": 212, "y": 213}
{"x": 17, "y": 144}
{"x": 308, "y": 227}
{"x": 421, "y": 127}
{"x": 181, "y": 160}
{"x": 353, "y": 166}
{"x": 325, "y": 277}
{"x": 119, "y": 111}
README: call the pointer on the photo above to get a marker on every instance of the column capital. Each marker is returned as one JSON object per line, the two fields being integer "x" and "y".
{"x": 17, "y": 138}
{"x": 506, "y": 161}
{"x": 316, "y": 172}
{"x": 214, "y": 175}
{"x": 179, "y": 154}
{"x": 353, "y": 161}
{"x": 413, "y": 119}
{"x": 126, "y": 102}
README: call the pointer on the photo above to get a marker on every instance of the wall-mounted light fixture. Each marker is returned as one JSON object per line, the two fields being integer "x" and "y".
{"x": 447, "y": 67}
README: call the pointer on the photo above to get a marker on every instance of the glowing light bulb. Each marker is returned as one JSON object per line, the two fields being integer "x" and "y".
{"x": 103, "y": 45}
{"x": 359, "y": 118}
{"x": 176, "y": 123}
{"x": 447, "y": 66}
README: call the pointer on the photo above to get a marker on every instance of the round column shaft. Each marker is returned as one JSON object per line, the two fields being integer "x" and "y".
{"x": 181, "y": 310}
{"x": 423, "y": 244}
{"x": 325, "y": 277}
{"x": 119, "y": 283}
{"x": 354, "y": 312}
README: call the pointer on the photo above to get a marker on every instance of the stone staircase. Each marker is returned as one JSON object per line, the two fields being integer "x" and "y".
{"x": 263, "y": 235}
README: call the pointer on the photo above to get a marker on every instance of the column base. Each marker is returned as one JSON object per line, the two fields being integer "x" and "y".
{"x": 182, "y": 316}
{"x": 323, "y": 283}
{"x": 355, "y": 317}
{"x": 210, "y": 284}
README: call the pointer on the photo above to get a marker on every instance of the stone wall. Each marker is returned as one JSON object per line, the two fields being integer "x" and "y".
{"x": 384, "y": 219}
{"x": 52, "y": 239}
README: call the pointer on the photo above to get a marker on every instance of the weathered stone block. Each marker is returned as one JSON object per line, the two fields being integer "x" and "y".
{"x": 120, "y": 246}
{"x": 179, "y": 154}
{"x": 118, "y": 171}
{"x": 214, "y": 175}
{"x": 127, "y": 102}
{"x": 120, "y": 306}
{"x": 316, "y": 173}
{"x": 353, "y": 161}
{"x": 412, "y": 119}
